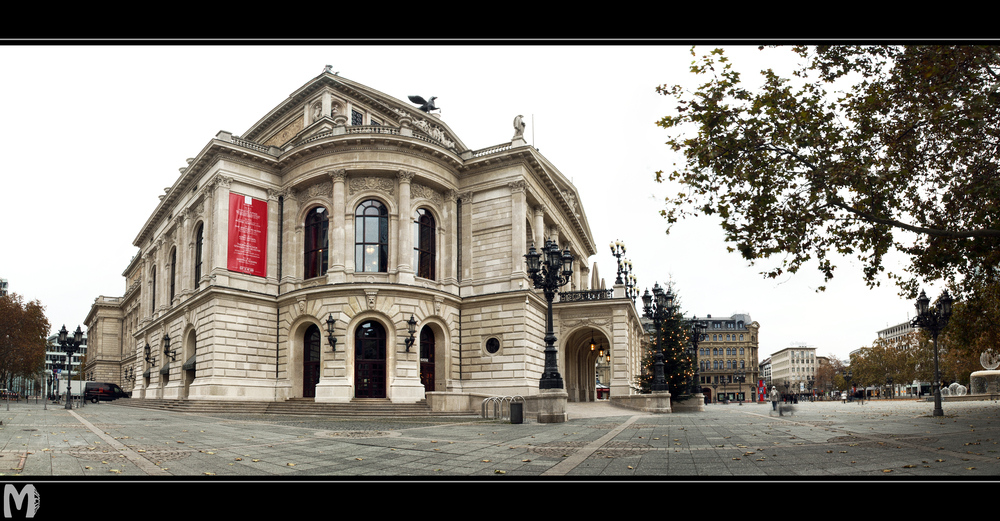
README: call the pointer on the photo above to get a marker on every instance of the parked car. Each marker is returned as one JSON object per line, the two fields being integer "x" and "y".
{"x": 98, "y": 391}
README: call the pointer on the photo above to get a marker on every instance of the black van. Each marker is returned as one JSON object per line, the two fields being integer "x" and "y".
{"x": 95, "y": 391}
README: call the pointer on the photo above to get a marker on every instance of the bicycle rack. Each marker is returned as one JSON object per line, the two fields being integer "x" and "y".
{"x": 498, "y": 407}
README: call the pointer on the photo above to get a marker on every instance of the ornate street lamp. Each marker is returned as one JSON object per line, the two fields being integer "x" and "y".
{"x": 167, "y": 351}
{"x": 147, "y": 354}
{"x": 656, "y": 307}
{"x": 411, "y": 328}
{"x": 934, "y": 320}
{"x": 740, "y": 377}
{"x": 618, "y": 250}
{"x": 70, "y": 346}
{"x": 330, "y": 338}
{"x": 697, "y": 329}
{"x": 548, "y": 270}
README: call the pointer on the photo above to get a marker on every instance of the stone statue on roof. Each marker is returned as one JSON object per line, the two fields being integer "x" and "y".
{"x": 518, "y": 127}
{"x": 425, "y": 105}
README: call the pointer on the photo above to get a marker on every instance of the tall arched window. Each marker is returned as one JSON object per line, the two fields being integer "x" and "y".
{"x": 424, "y": 249}
{"x": 152, "y": 294}
{"x": 173, "y": 272}
{"x": 371, "y": 237}
{"x": 317, "y": 242}
{"x": 199, "y": 246}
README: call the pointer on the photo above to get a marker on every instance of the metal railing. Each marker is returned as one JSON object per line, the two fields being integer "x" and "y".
{"x": 585, "y": 296}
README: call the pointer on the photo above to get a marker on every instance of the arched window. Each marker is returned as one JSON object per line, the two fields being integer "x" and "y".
{"x": 199, "y": 245}
{"x": 152, "y": 275}
{"x": 173, "y": 272}
{"x": 317, "y": 243}
{"x": 424, "y": 249}
{"x": 371, "y": 237}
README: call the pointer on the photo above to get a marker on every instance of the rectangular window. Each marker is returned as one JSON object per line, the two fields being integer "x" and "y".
{"x": 357, "y": 118}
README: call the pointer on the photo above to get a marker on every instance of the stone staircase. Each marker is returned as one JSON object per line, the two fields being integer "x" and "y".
{"x": 371, "y": 407}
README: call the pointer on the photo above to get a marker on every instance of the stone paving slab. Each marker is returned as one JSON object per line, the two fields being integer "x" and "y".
{"x": 879, "y": 440}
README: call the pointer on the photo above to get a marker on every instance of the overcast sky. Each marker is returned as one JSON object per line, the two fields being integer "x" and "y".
{"x": 93, "y": 134}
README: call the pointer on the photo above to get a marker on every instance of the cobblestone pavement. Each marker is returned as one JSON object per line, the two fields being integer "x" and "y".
{"x": 823, "y": 440}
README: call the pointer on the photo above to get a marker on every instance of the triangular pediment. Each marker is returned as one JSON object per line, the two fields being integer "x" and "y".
{"x": 330, "y": 101}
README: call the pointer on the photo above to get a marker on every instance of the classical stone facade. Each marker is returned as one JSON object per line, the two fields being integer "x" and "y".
{"x": 729, "y": 347}
{"x": 347, "y": 207}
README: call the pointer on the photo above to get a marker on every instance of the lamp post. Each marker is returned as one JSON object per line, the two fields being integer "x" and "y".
{"x": 70, "y": 346}
{"x": 618, "y": 250}
{"x": 740, "y": 377}
{"x": 697, "y": 329}
{"x": 658, "y": 306}
{"x": 934, "y": 320}
{"x": 548, "y": 270}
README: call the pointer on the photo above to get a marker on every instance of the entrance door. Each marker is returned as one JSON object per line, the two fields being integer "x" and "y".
{"x": 427, "y": 358}
{"x": 310, "y": 361}
{"x": 369, "y": 361}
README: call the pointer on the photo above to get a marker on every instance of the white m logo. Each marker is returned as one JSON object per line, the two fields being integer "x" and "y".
{"x": 28, "y": 492}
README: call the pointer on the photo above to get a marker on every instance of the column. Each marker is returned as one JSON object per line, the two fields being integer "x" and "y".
{"x": 449, "y": 238}
{"x": 220, "y": 229}
{"x": 519, "y": 239}
{"x": 538, "y": 228}
{"x": 339, "y": 245}
{"x": 404, "y": 236}
{"x": 291, "y": 246}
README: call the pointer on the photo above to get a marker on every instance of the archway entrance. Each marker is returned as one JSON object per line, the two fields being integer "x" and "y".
{"x": 311, "y": 361}
{"x": 369, "y": 361}
{"x": 587, "y": 351}
{"x": 427, "y": 358}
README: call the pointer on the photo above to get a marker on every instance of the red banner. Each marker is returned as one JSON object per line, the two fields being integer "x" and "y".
{"x": 247, "y": 235}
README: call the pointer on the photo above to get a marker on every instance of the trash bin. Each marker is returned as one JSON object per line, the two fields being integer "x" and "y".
{"x": 517, "y": 412}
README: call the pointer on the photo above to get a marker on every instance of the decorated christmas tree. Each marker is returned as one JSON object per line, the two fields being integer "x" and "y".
{"x": 670, "y": 335}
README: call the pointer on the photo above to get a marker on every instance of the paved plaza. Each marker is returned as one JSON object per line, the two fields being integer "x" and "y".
{"x": 876, "y": 439}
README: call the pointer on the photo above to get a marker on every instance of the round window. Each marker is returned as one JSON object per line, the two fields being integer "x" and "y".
{"x": 492, "y": 345}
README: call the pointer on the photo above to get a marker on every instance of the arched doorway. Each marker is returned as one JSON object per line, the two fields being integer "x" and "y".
{"x": 369, "y": 360}
{"x": 583, "y": 348}
{"x": 311, "y": 361}
{"x": 427, "y": 358}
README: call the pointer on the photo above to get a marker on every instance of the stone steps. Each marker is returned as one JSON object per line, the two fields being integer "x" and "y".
{"x": 295, "y": 406}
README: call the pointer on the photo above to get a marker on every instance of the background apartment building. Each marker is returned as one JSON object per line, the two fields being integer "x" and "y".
{"x": 795, "y": 366}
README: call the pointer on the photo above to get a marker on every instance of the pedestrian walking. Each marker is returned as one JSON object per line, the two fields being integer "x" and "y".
{"x": 774, "y": 398}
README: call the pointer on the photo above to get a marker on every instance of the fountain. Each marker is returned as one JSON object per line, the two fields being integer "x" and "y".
{"x": 987, "y": 381}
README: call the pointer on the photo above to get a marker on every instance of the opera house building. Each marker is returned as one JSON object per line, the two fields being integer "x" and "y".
{"x": 350, "y": 246}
